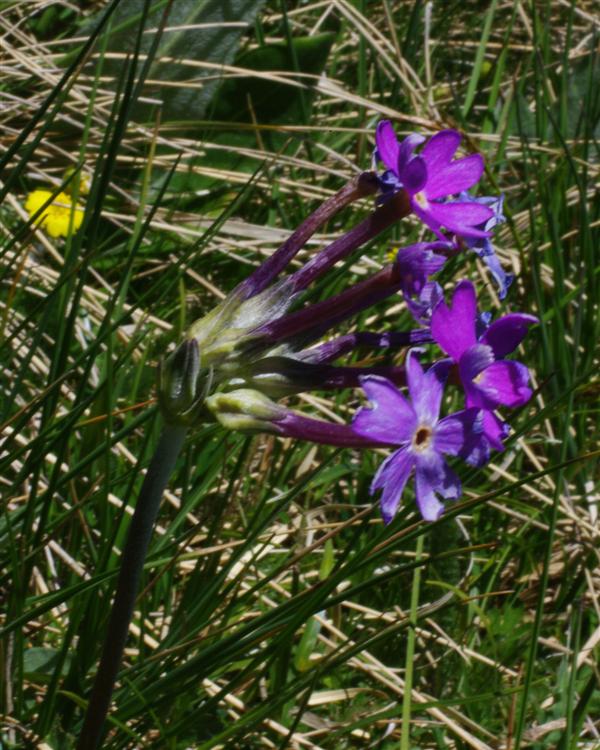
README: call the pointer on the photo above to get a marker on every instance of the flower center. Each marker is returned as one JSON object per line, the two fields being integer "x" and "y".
{"x": 421, "y": 199}
{"x": 422, "y": 438}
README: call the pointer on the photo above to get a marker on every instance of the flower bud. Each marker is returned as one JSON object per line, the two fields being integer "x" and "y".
{"x": 245, "y": 409}
{"x": 181, "y": 384}
{"x": 224, "y": 334}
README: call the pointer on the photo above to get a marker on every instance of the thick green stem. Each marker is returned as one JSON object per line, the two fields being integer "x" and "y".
{"x": 132, "y": 563}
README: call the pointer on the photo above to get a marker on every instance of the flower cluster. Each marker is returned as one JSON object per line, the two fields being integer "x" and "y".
{"x": 253, "y": 348}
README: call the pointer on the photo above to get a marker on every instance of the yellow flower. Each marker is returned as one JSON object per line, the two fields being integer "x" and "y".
{"x": 79, "y": 180}
{"x": 391, "y": 254}
{"x": 56, "y": 217}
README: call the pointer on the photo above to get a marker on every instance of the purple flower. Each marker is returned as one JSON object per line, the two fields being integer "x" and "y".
{"x": 432, "y": 176}
{"x": 422, "y": 437}
{"x": 416, "y": 263}
{"x": 422, "y": 306}
{"x": 483, "y": 246}
{"x": 488, "y": 379}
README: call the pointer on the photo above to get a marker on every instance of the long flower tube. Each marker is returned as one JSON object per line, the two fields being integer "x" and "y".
{"x": 250, "y": 410}
{"x": 363, "y": 185}
{"x": 336, "y": 309}
{"x": 335, "y": 348}
{"x": 285, "y": 376}
{"x": 381, "y": 219}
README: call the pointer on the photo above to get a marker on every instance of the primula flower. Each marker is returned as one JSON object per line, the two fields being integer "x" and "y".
{"x": 423, "y": 438}
{"x": 483, "y": 247}
{"x": 60, "y": 217}
{"x": 253, "y": 348}
{"x": 416, "y": 263}
{"x": 432, "y": 176}
{"x": 422, "y": 306}
{"x": 488, "y": 379}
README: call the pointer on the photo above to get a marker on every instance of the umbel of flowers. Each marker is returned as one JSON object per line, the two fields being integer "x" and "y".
{"x": 252, "y": 350}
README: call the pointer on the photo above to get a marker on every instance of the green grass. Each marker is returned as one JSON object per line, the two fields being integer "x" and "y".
{"x": 276, "y": 609}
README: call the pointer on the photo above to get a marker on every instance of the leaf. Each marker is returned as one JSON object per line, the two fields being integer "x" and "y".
{"x": 39, "y": 663}
{"x": 197, "y": 32}
{"x": 272, "y": 101}
{"x": 306, "y": 647}
{"x": 249, "y": 98}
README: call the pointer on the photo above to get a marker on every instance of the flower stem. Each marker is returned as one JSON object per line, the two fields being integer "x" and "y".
{"x": 132, "y": 563}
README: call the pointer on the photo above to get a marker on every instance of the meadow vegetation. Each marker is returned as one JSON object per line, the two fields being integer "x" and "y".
{"x": 277, "y": 610}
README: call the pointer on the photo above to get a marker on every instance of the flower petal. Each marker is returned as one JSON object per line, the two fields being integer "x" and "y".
{"x": 506, "y": 333}
{"x": 494, "y": 202}
{"x": 387, "y": 145}
{"x": 407, "y": 146}
{"x": 426, "y": 388}
{"x": 494, "y": 429}
{"x": 432, "y": 476}
{"x": 428, "y": 219}
{"x": 439, "y": 149}
{"x": 422, "y": 307}
{"x": 455, "y": 430}
{"x": 453, "y": 328}
{"x": 505, "y": 382}
{"x": 414, "y": 175}
{"x": 391, "y": 420}
{"x": 392, "y": 476}
{"x": 461, "y": 218}
{"x": 491, "y": 260}
{"x": 474, "y": 361}
{"x": 458, "y": 175}
{"x": 417, "y": 262}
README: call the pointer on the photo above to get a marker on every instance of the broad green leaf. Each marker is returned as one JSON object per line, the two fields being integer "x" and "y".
{"x": 39, "y": 663}
{"x": 199, "y": 37}
{"x": 272, "y": 100}
{"x": 250, "y": 98}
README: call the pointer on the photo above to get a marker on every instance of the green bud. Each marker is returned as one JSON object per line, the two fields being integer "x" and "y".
{"x": 245, "y": 409}
{"x": 182, "y": 385}
{"x": 224, "y": 333}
